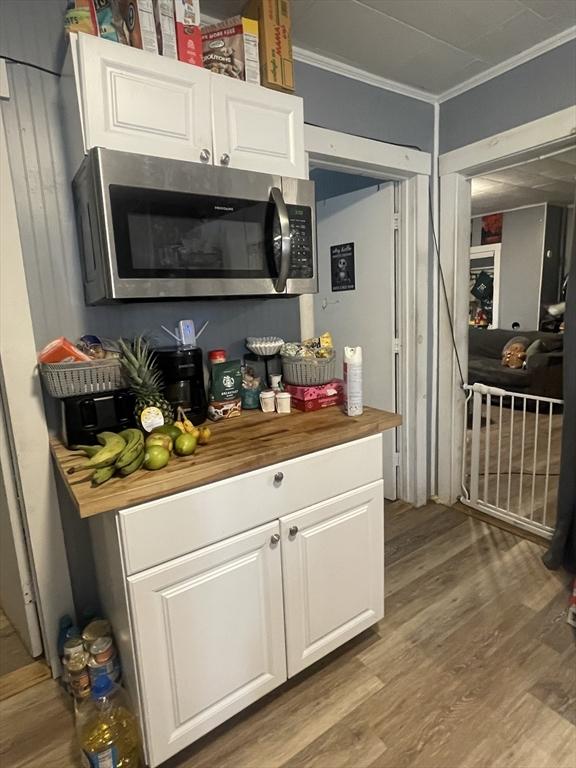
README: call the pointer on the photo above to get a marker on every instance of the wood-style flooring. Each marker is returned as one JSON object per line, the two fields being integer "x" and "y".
{"x": 13, "y": 653}
{"x": 474, "y": 666}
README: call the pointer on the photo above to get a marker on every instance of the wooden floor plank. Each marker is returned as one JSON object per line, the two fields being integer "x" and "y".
{"x": 473, "y": 666}
{"x": 23, "y": 678}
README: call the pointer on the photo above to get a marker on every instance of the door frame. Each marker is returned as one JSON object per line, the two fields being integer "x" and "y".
{"x": 412, "y": 169}
{"x": 538, "y": 138}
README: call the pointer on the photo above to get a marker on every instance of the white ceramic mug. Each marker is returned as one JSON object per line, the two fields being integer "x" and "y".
{"x": 283, "y": 400}
{"x": 267, "y": 401}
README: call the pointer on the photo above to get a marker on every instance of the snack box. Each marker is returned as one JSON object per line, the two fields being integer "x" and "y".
{"x": 332, "y": 389}
{"x": 317, "y": 404}
{"x": 231, "y": 48}
{"x": 138, "y": 17}
{"x": 275, "y": 32}
{"x": 188, "y": 33}
{"x": 165, "y": 28}
{"x": 80, "y": 16}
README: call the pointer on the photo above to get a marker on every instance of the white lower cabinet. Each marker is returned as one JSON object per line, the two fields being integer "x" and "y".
{"x": 217, "y": 595}
{"x": 333, "y": 573}
{"x": 209, "y": 637}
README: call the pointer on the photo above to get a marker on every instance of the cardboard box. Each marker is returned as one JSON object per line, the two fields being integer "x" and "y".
{"x": 231, "y": 48}
{"x": 188, "y": 33}
{"x": 130, "y": 22}
{"x": 333, "y": 388}
{"x": 316, "y": 405}
{"x": 165, "y": 28}
{"x": 275, "y": 32}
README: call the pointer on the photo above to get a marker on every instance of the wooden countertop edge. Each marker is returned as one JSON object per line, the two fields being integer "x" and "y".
{"x": 257, "y": 461}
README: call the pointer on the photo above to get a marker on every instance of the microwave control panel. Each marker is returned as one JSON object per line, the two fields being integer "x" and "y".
{"x": 301, "y": 239}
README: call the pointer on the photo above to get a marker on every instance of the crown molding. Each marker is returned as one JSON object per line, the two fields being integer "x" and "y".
{"x": 354, "y": 73}
{"x": 514, "y": 61}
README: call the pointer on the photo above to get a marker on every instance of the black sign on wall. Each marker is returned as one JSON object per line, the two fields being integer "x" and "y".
{"x": 342, "y": 267}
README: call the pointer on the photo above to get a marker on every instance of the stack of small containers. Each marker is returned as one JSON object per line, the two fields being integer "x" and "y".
{"x": 87, "y": 656}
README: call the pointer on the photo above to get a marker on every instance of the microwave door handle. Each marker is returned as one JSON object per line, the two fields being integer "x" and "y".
{"x": 286, "y": 245}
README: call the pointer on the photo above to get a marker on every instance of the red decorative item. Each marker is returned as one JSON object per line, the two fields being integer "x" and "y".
{"x": 492, "y": 229}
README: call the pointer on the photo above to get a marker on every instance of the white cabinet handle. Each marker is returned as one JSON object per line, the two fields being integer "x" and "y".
{"x": 293, "y": 530}
{"x": 278, "y": 477}
{"x": 205, "y": 155}
{"x": 275, "y": 538}
{"x": 225, "y": 159}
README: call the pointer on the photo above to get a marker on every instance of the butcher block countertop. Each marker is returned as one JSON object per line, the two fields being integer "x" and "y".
{"x": 239, "y": 445}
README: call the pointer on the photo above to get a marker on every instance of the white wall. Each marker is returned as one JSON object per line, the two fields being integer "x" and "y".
{"x": 520, "y": 265}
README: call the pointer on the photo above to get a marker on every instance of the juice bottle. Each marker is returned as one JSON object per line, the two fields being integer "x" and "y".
{"x": 107, "y": 730}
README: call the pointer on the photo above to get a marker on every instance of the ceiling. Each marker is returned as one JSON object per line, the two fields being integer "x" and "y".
{"x": 547, "y": 180}
{"x": 433, "y": 45}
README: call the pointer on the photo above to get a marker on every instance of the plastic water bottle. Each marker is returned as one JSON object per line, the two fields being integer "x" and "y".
{"x": 107, "y": 730}
{"x": 353, "y": 381}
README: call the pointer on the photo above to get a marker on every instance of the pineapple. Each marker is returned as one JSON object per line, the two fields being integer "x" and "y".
{"x": 145, "y": 378}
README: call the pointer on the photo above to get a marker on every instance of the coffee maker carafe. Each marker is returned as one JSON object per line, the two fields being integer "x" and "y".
{"x": 183, "y": 374}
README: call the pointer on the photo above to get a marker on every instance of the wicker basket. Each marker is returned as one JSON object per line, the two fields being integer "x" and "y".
{"x": 307, "y": 372}
{"x": 70, "y": 379}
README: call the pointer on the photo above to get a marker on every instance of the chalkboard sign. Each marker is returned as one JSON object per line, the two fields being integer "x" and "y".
{"x": 342, "y": 267}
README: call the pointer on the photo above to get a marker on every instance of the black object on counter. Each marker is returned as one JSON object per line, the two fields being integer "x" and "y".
{"x": 84, "y": 416}
{"x": 183, "y": 373}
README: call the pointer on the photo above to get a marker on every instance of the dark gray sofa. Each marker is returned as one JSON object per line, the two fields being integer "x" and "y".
{"x": 541, "y": 377}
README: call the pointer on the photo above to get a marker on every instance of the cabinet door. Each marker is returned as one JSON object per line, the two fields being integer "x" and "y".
{"x": 257, "y": 129}
{"x": 209, "y": 636}
{"x": 333, "y": 567}
{"x": 136, "y": 101}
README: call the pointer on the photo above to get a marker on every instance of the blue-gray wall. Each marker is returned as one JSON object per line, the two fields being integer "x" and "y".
{"x": 333, "y": 183}
{"x": 341, "y": 104}
{"x": 532, "y": 90}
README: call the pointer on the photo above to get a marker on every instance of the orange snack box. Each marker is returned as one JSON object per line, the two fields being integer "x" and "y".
{"x": 62, "y": 351}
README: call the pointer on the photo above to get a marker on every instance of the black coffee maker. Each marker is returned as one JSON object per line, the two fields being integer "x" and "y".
{"x": 183, "y": 375}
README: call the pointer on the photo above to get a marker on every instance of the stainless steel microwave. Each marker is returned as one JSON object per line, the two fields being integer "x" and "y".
{"x": 153, "y": 228}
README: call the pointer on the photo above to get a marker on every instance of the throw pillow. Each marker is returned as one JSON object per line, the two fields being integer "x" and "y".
{"x": 514, "y": 352}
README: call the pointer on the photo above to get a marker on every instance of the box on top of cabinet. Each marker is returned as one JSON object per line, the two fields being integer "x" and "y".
{"x": 130, "y": 22}
{"x": 188, "y": 33}
{"x": 165, "y": 28}
{"x": 275, "y": 32}
{"x": 230, "y": 48}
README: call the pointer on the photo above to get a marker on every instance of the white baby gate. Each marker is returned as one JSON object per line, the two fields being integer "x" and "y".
{"x": 512, "y": 456}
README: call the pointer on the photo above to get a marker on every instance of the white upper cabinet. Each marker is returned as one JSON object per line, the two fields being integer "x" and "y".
{"x": 209, "y": 633}
{"x": 139, "y": 102}
{"x": 135, "y": 101}
{"x": 257, "y": 129}
{"x": 333, "y": 566}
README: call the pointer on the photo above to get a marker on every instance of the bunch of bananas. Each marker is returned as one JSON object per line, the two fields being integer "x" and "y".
{"x": 121, "y": 453}
{"x": 202, "y": 434}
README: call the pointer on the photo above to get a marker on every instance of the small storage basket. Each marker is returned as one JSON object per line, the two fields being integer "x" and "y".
{"x": 70, "y": 379}
{"x": 308, "y": 371}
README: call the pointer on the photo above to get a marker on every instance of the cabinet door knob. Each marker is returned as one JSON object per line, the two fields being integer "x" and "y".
{"x": 205, "y": 155}
{"x": 225, "y": 159}
{"x": 275, "y": 538}
{"x": 278, "y": 477}
{"x": 293, "y": 530}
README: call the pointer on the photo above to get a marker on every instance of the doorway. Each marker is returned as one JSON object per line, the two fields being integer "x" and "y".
{"x": 410, "y": 170}
{"x": 495, "y": 165}
{"x": 356, "y": 300}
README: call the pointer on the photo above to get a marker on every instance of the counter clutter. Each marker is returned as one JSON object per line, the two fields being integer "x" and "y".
{"x": 129, "y": 407}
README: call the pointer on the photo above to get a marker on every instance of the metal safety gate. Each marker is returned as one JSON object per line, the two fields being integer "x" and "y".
{"x": 512, "y": 456}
